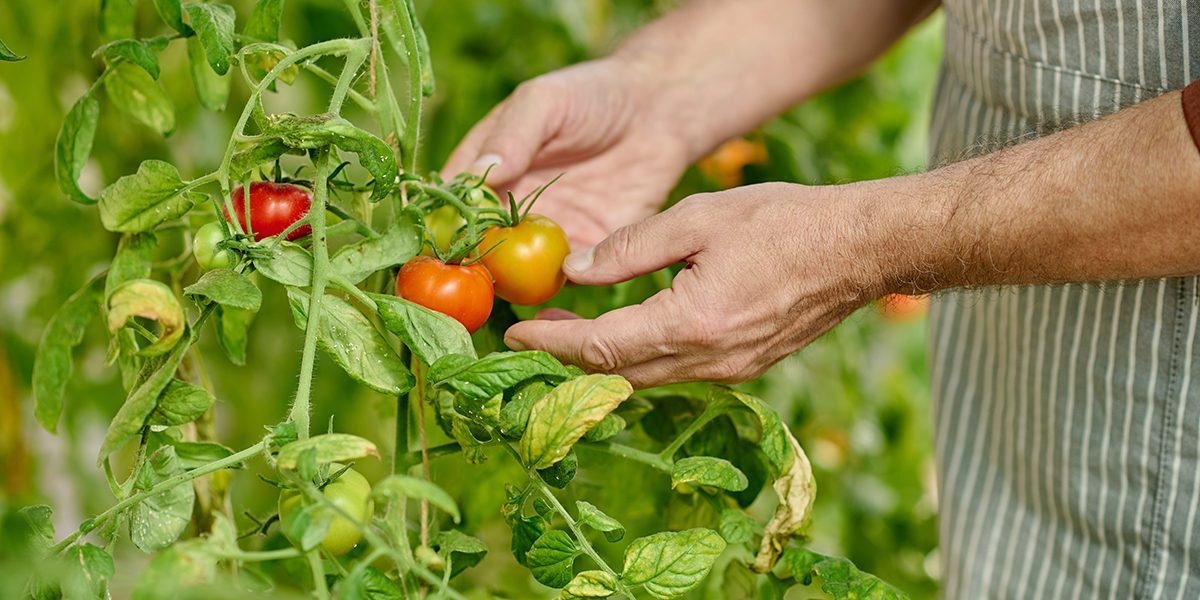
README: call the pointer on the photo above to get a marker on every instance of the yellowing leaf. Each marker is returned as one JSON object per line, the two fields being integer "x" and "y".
{"x": 557, "y": 421}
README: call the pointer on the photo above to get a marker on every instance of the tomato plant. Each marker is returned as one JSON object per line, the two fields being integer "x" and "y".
{"x": 442, "y": 393}
{"x": 460, "y": 291}
{"x": 274, "y": 209}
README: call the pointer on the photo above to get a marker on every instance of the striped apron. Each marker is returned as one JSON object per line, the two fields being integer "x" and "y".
{"x": 1067, "y": 418}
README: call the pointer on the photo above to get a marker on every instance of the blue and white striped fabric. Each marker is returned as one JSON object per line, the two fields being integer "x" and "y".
{"x": 1067, "y": 417}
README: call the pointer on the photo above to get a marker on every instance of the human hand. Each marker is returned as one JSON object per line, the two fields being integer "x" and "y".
{"x": 598, "y": 125}
{"x": 769, "y": 269}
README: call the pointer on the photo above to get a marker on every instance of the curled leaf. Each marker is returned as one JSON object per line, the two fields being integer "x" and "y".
{"x": 796, "y": 490}
{"x": 148, "y": 299}
{"x": 330, "y": 448}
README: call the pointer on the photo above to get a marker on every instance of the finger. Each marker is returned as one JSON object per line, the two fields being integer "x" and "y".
{"x": 658, "y": 372}
{"x": 518, "y": 129}
{"x": 627, "y": 336}
{"x": 659, "y": 241}
{"x": 466, "y": 154}
{"x": 556, "y": 314}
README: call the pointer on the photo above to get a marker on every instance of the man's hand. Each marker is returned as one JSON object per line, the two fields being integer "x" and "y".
{"x": 593, "y": 123}
{"x": 770, "y": 268}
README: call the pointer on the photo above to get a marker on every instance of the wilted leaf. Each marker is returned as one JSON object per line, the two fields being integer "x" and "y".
{"x": 148, "y": 299}
{"x": 590, "y": 584}
{"x": 796, "y": 490}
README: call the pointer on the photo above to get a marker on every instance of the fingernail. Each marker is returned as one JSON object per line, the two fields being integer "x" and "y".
{"x": 578, "y": 262}
{"x": 514, "y": 344}
{"x": 483, "y": 163}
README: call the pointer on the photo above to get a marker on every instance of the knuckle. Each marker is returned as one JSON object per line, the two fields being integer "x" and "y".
{"x": 598, "y": 354}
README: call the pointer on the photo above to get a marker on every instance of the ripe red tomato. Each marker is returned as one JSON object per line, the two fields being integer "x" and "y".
{"x": 273, "y": 208}
{"x": 526, "y": 259}
{"x": 460, "y": 291}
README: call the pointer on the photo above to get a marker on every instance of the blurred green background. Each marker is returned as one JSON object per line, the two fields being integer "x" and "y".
{"x": 858, "y": 399}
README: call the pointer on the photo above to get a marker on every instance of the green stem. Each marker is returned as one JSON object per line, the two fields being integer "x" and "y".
{"x": 161, "y": 487}
{"x": 412, "y": 113}
{"x": 262, "y": 555}
{"x": 649, "y": 459}
{"x": 318, "y": 574}
{"x": 584, "y": 544}
{"x": 668, "y": 453}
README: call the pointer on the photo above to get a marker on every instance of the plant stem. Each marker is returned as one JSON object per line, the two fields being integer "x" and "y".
{"x": 262, "y": 555}
{"x": 419, "y": 371}
{"x": 161, "y": 487}
{"x": 668, "y": 453}
{"x": 650, "y": 459}
{"x": 318, "y": 574}
{"x": 412, "y": 113}
{"x": 584, "y": 544}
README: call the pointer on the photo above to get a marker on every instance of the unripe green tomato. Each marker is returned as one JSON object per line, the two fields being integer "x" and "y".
{"x": 443, "y": 224}
{"x": 204, "y": 247}
{"x": 351, "y": 493}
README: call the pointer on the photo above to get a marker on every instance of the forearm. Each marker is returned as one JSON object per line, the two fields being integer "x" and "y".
{"x": 718, "y": 68}
{"x": 1115, "y": 199}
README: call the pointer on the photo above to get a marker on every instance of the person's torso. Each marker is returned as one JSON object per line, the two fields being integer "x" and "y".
{"x": 1067, "y": 417}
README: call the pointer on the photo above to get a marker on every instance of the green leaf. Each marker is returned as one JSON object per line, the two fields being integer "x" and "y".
{"x": 91, "y": 570}
{"x": 551, "y": 559}
{"x": 568, "y": 412}
{"x": 525, "y": 531}
{"x": 355, "y": 262}
{"x": 590, "y": 516}
{"x": 212, "y": 88}
{"x": 428, "y": 333}
{"x": 370, "y": 584}
{"x": 74, "y": 145}
{"x": 171, "y": 12}
{"x": 264, "y": 21}
{"x": 213, "y": 23}
{"x": 227, "y": 288}
{"x": 180, "y": 403}
{"x": 290, "y": 265}
{"x": 736, "y": 527}
{"x": 590, "y": 584}
{"x": 839, "y": 577}
{"x": 515, "y": 414}
{"x": 40, "y": 518}
{"x": 560, "y": 474}
{"x": 53, "y": 365}
{"x": 133, "y": 259}
{"x": 319, "y": 131}
{"x": 183, "y": 566}
{"x": 146, "y": 199}
{"x": 159, "y": 520}
{"x": 329, "y": 447}
{"x": 133, "y": 51}
{"x": 607, "y": 428}
{"x": 117, "y": 18}
{"x": 233, "y": 331}
{"x": 133, "y": 91}
{"x": 130, "y": 419}
{"x": 671, "y": 563}
{"x": 398, "y": 487}
{"x": 197, "y": 454}
{"x": 8, "y": 55}
{"x": 246, "y": 161}
{"x": 774, "y": 440}
{"x": 458, "y": 549}
{"x": 148, "y": 299}
{"x": 481, "y": 379}
{"x": 352, "y": 341}
{"x": 708, "y": 471}
{"x": 261, "y": 60}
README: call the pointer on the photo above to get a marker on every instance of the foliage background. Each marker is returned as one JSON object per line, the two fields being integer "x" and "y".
{"x": 858, "y": 399}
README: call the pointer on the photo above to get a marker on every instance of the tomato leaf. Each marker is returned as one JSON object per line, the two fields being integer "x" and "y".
{"x": 370, "y": 584}
{"x": 91, "y": 570}
{"x": 558, "y": 421}
{"x": 481, "y": 379}
{"x": 709, "y": 471}
{"x": 212, "y": 89}
{"x": 263, "y": 24}
{"x": 133, "y": 51}
{"x": 428, "y": 333}
{"x": 227, "y": 288}
{"x": 131, "y": 417}
{"x": 352, "y": 341}
{"x": 671, "y": 563}
{"x": 590, "y": 516}
{"x": 213, "y": 23}
{"x": 560, "y": 474}
{"x": 774, "y": 439}
{"x": 171, "y": 12}
{"x": 319, "y": 131}
{"x": 796, "y": 489}
{"x": 459, "y": 550}
{"x": 158, "y": 520}
{"x": 133, "y": 91}
{"x": 551, "y": 559}
{"x": 396, "y": 487}
{"x": 515, "y": 414}
{"x": 525, "y": 531}
{"x": 290, "y": 265}
{"x": 116, "y": 18}
{"x": 180, "y": 403}
{"x": 590, "y": 584}
{"x": 8, "y": 55}
{"x": 40, "y": 519}
{"x": 840, "y": 579}
{"x": 233, "y": 332}
{"x": 74, "y": 145}
{"x": 736, "y": 527}
{"x": 183, "y": 566}
{"x": 146, "y": 199}
{"x": 132, "y": 261}
{"x": 395, "y": 246}
{"x": 53, "y": 363}
{"x": 329, "y": 447}
{"x": 197, "y": 454}
{"x": 607, "y": 428}
{"x": 148, "y": 299}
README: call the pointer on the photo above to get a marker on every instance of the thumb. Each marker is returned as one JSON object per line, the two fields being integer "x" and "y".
{"x": 659, "y": 241}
